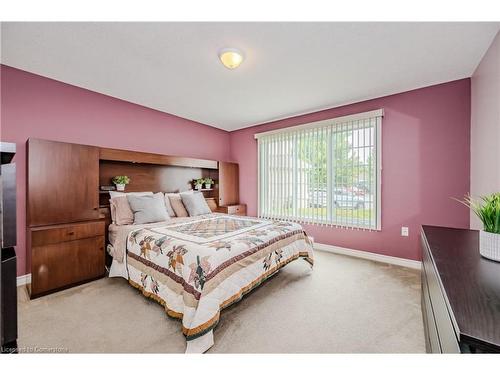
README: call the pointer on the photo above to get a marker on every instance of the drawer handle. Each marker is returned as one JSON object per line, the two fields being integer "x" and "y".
{"x": 71, "y": 233}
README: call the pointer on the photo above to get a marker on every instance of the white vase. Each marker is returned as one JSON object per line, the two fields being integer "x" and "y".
{"x": 207, "y": 186}
{"x": 120, "y": 187}
{"x": 198, "y": 186}
{"x": 489, "y": 245}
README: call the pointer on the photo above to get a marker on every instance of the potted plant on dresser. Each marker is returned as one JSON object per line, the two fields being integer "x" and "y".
{"x": 120, "y": 182}
{"x": 488, "y": 210}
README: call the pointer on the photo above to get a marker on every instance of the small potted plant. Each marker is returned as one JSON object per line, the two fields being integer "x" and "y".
{"x": 487, "y": 210}
{"x": 198, "y": 183}
{"x": 120, "y": 182}
{"x": 208, "y": 183}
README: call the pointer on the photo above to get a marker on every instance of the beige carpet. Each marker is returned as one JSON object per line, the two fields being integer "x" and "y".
{"x": 345, "y": 305}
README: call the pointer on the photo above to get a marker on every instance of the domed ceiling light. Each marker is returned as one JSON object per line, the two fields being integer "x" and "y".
{"x": 231, "y": 58}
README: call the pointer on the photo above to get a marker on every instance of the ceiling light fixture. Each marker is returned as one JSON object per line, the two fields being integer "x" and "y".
{"x": 231, "y": 58}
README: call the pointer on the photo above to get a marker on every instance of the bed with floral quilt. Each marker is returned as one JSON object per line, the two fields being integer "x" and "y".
{"x": 198, "y": 266}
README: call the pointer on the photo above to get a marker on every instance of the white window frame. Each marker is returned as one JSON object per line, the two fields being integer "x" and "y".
{"x": 379, "y": 113}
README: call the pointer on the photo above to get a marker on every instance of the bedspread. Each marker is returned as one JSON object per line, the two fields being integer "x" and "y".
{"x": 196, "y": 268}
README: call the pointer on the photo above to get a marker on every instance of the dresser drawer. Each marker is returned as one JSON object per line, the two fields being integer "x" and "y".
{"x": 63, "y": 264}
{"x": 448, "y": 338}
{"x": 431, "y": 335}
{"x": 61, "y": 233}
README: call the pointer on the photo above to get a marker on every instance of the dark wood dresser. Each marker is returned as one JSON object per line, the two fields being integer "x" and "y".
{"x": 460, "y": 293}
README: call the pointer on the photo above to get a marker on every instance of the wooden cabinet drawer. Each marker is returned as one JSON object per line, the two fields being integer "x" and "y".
{"x": 237, "y": 209}
{"x": 61, "y": 233}
{"x": 58, "y": 265}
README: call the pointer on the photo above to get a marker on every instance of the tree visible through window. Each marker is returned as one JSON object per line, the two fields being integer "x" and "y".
{"x": 326, "y": 173}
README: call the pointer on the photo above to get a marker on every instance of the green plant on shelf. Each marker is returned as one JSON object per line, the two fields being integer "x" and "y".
{"x": 198, "y": 181}
{"x": 121, "y": 180}
{"x": 208, "y": 182}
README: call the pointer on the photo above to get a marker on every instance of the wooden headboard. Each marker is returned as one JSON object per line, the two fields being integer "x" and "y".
{"x": 154, "y": 172}
{"x": 150, "y": 177}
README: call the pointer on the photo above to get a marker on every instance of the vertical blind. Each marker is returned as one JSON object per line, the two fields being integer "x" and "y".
{"x": 327, "y": 172}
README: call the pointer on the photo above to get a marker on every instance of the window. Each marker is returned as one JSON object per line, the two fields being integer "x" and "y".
{"x": 327, "y": 172}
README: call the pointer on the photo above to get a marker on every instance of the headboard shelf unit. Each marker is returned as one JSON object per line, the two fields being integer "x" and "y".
{"x": 67, "y": 214}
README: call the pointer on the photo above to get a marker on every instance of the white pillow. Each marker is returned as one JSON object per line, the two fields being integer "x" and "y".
{"x": 195, "y": 204}
{"x": 148, "y": 208}
{"x": 114, "y": 194}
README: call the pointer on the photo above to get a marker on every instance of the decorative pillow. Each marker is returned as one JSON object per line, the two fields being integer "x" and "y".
{"x": 121, "y": 214}
{"x": 168, "y": 206}
{"x": 114, "y": 194}
{"x": 148, "y": 208}
{"x": 177, "y": 205}
{"x": 195, "y": 204}
{"x": 211, "y": 204}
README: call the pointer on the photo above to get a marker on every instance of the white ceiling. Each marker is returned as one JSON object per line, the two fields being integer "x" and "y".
{"x": 290, "y": 68}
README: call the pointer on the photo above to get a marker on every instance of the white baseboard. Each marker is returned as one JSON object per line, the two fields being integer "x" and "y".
{"x": 408, "y": 263}
{"x": 414, "y": 264}
{"x": 24, "y": 279}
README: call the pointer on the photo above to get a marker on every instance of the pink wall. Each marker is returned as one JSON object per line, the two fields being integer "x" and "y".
{"x": 425, "y": 133}
{"x": 425, "y": 157}
{"x": 34, "y": 106}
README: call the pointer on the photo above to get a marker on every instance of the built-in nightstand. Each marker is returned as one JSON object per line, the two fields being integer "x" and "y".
{"x": 65, "y": 255}
{"x": 233, "y": 209}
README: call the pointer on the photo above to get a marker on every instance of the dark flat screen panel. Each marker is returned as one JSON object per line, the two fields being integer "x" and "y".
{"x": 8, "y": 205}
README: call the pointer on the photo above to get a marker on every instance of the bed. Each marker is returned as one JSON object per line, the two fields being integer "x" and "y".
{"x": 197, "y": 266}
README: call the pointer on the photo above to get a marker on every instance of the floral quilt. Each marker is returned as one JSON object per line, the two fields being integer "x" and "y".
{"x": 197, "y": 268}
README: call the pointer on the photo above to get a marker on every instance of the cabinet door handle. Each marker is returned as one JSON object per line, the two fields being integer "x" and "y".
{"x": 71, "y": 233}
